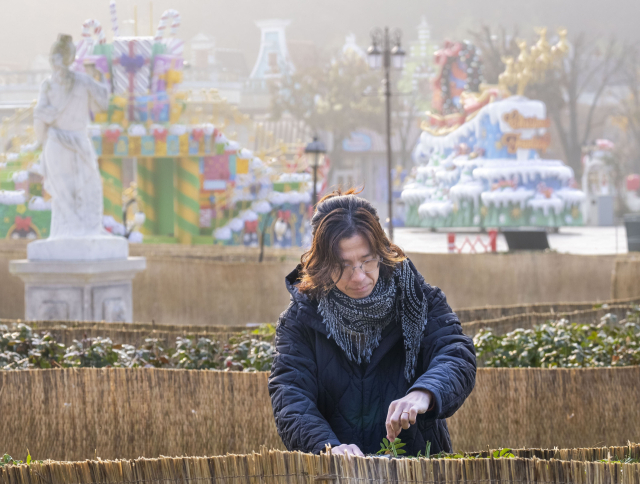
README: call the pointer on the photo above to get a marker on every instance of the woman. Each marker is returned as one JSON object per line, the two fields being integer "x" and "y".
{"x": 366, "y": 349}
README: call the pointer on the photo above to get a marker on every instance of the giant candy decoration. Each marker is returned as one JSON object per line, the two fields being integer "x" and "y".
{"x": 192, "y": 182}
{"x": 479, "y": 158}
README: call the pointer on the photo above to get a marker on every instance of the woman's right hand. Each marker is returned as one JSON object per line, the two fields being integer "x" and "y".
{"x": 347, "y": 449}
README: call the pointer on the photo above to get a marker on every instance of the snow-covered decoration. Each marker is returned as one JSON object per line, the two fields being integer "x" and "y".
{"x": 223, "y": 233}
{"x": 12, "y": 197}
{"x": 236, "y": 224}
{"x": 136, "y": 237}
{"x": 37, "y": 168}
{"x": 135, "y": 130}
{"x": 20, "y": 176}
{"x": 245, "y": 154}
{"x": 293, "y": 197}
{"x": 39, "y": 204}
{"x": 249, "y": 216}
{"x": 112, "y": 225}
{"x": 95, "y": 130}
{"x": 488, "y": 172}
{"x": 29, "y": 147}
{"x": 505, "y": 196}
{"x": 436, "y": 208}
{"x": 261, "y": 207}
{"x": 294, "y": 177}
{"x": 178, "y": 129}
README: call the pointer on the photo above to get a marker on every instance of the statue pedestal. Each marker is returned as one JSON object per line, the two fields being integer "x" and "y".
{"x": 73, "y": 290}
{"x": 97, "y": 247}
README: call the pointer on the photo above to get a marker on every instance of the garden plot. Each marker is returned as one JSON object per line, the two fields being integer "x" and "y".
{"x": 155, "y": 405}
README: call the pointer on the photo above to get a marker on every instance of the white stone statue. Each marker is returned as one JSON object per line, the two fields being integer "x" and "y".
{"x": 70, "y": 166}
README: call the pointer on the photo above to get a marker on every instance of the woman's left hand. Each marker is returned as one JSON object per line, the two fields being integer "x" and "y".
{"x": 402, "y": 413}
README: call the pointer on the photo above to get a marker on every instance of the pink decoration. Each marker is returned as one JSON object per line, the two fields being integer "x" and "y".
{"x": 216, "y": 167}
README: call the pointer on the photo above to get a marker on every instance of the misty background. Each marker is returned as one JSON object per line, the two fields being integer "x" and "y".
{"x": 28, "y": 27}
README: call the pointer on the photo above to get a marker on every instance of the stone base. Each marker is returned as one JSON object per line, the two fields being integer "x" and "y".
{"x": 98, "y": 290}
{"x": 101, "y": 247}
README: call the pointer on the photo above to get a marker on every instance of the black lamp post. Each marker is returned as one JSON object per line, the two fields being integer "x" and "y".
{"x": 314, "y": 150}
{"x": 385, "y": 51}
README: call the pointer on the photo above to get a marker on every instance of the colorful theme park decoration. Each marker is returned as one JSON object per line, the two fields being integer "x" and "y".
{"x": 192, "y": 183}
{"x": 459, "y": 70}
{"x": 481, "y": 166}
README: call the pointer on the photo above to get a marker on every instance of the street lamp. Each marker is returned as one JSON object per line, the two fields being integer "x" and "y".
{"x": 386, "y": 51}
{"x": 314, "y": 151}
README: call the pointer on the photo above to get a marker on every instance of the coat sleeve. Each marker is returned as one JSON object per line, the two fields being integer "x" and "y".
{"x": 293, "y": 388}
{"x": 449, "y": 357}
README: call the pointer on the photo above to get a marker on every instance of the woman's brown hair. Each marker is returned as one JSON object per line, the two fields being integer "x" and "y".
{"x": 340, "y": 216}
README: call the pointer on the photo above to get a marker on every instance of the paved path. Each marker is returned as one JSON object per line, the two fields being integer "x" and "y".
{"x": 571, "y": 240}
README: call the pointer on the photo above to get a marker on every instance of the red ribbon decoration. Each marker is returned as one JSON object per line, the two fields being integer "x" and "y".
{"x": 160, "y": 134}
{"x": 112, "y": 135}
{"x": 284, "y": 215}
{"x": 198, "y": 134}
{"x": 23, "y": 224}
{"x": 251, "y": 227}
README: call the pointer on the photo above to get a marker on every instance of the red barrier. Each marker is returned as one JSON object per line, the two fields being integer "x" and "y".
{"x": 490, "y": 246}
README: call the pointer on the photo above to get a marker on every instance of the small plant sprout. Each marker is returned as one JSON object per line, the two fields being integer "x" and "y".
{"x": 392, "y": 448}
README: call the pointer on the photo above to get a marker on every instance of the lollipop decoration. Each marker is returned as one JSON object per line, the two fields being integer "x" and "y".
{"x": 85, "y": 46}
{"x": 174, "y": 45}
{"x": 167, "y": 67}
{"x": 114, "y": 17}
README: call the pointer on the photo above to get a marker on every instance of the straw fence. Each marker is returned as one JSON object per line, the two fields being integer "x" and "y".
{"x": 274, "y": 467}
{"x": 72, "y": 414}
{"x": 135, "y": 333}
{"x": 626, "y": 275}
{"x": 227, "y": 286}
{"x": 496, "y": 312}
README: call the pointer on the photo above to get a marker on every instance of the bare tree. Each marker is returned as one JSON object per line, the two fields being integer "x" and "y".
{"x": 628, "y": 110}
{"x": 407, "y": 110}
{"x": 573, "y": 92}
{"x": 493, "y": 47}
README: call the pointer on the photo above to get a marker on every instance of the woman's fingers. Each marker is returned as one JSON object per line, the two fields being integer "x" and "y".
{"x": 347, "y": 450}
{"x": 413, "y": 413}
{"x": 402, "y": 417}
{"x": 357, "y": 451}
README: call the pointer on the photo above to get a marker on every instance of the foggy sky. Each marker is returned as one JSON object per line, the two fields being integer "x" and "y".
{"x": 29, "y": 27}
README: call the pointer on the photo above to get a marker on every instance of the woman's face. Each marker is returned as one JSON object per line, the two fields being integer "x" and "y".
{"x": 353, "y": 252}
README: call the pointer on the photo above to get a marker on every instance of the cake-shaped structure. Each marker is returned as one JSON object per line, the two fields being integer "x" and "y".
{"x": 479, "y": 160}
{"x": 488, "y": 173}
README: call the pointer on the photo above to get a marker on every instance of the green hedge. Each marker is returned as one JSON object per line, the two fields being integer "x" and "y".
{"x": 23, "y": 348}
{"x": 562, "y": 344}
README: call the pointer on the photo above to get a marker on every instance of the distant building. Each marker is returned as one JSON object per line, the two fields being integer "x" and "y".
{"x": 350, "y": 46}
{"x": 273, "y": 62}
{"x": 273, "y": 59}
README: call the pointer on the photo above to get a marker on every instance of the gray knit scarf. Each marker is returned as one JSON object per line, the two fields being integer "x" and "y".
{"x": 356, "y": 324}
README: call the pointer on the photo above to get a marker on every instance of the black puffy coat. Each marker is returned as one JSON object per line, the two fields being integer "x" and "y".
{"x": 321, "y": 397}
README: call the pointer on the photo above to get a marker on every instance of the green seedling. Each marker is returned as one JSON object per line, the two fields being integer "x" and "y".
{"x": 392, "y": 448}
